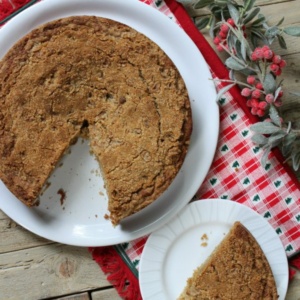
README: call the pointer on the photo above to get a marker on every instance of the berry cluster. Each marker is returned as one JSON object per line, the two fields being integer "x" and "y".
{"x": 259, "y": 101}
{"x": 276, "y": 63}
{"x": 221, "y": 38}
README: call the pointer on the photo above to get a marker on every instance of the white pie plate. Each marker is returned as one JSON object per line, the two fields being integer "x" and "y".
{"x": 79, "y": 220}
{"x": 174, "y": 251}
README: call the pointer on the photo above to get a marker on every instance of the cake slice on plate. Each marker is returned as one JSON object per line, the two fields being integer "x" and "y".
{"x": 237, "y": 269}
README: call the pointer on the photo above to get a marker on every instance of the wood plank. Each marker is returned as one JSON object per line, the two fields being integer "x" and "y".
{"x": 15, "y": 237}
{"x": 107, "y": 294}
{"x": 291, "y": 75}
{"x": 82, "y": 296}
{"x": 48, "y": 271}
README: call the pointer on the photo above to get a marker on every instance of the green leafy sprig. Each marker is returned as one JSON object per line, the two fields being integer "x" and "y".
{"x": 243, "y": 32}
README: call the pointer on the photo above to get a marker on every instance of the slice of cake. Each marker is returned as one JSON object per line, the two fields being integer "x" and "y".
{"x": 91, "y": 76}
{"x": 236, "y": 270}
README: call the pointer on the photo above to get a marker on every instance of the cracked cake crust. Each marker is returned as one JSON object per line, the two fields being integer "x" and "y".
{"x": 97, "y": 74}
{"x": 237, "y": 269}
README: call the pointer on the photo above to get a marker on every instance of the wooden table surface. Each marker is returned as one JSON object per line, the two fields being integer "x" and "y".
{"x": 34, "y": 268}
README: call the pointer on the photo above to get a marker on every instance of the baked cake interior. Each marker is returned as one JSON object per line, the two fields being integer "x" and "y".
{"x": 237, "y": 269}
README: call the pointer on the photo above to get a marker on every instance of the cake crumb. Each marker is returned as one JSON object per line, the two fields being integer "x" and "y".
{"x": 106, "y": 217}
{"x": 204, "y": 244}
{"x": 204, "y": 237}
{"x": 62, "y": 194}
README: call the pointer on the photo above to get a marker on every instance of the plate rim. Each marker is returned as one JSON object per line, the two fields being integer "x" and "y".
{"x": 32, "y": 13}
{"x": 145, "y": 268}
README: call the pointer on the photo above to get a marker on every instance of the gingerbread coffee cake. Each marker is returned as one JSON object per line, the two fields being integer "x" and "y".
{"x": 93, "y": 75}
{"x": 237, "y": 269}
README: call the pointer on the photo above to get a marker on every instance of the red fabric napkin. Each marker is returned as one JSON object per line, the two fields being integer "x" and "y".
{"x": 235, "y": 174}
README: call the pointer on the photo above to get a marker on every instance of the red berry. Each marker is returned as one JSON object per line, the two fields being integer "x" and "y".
{"x": 253, "y": 56}
{"x": 280, "y": 94}
{"x": 223, "y": 34}
{"x": 277, "y": 59}
{"x": 254, "y": 111}
{"x": 260, "y": 112}
{"x": 230, "y": 22}
{"x": 278, "y": 72}
{"x": 224, "y": 28}
{"x": 254, "y": 103}
{"x": 278, "y": 103}
{"x": 262, "y": 105}
{"x": 274, "y": 68}
{"x": 282, "y": 64}
{"x": 246, "y": 92}
{"x": 256, "y": 94}
{"x": 251, "y": 79}
{"x": 249, "y": 103}
{"x": 259, "y": 86}
{"x": 217, "y": 40}
{"x": 259, "y": 53}
{"x": 265, "y": 48}
{"x": 269, "y": 98}
{"x": 268, "y": 54}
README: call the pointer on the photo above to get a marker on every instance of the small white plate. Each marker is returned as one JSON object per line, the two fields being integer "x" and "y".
{"x": 173, "y": 252}
{"x": 79, "y": 219}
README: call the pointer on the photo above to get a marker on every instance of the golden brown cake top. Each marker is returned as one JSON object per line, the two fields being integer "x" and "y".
{"x": 103, "y": 76}
{"x": 237, "y": 269}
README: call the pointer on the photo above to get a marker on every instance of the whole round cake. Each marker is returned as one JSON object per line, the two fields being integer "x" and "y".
{"x": 93, "y": 77}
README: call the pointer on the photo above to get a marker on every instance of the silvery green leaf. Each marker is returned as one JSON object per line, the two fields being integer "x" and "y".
{"x": 265, "y": 128}
{"x": 231, "y": 75}
{"x": 224, "y": 90}
{"x": 259, "y": 21}
{"x": 201, "y": 23}
{"x": 293, "y": 30}
{"x": 234, "y": 13}
{"x": 269, "y": 84}
{"x": 280, "y": 22}
{"x": 203, "y": 3}
{"x": 287, "y": 143}
{"x": 282, "y": 42}
{"x": 277, "y": 137}
{"x": 254, "y": 40}
{"x": 296, "y": 160}
{"x": 238, "y": 47}
{"x": 251, "y": 15}
{"x": 233, "y": 64}
{"x": 289, "y": 139}
{"x": 272, "y": 32}
{"x": 258, "y": 34}
{"x": 231, "y": 40}
{"x": 277, "y": 92}
{"x": 258, "y": 24}
{"x": 247, "y": 72}
{"x": 259, "y": 139}
{"x": 212, "y": 26}
{"x": 244, "y": 46}
{"x": 248, "y": 4}
{"x": 221, "y": 3}
{"x": 274, "y": 116}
